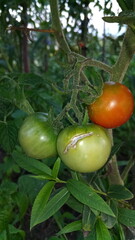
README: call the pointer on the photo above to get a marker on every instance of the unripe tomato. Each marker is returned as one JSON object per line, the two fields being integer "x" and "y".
{"x": 37, "y": 137}
{"x": 84, "y": 148}
{"x": 114, "y": 107}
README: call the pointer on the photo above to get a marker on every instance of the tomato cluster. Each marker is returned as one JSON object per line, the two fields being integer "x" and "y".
{"x": 83, "y": 148}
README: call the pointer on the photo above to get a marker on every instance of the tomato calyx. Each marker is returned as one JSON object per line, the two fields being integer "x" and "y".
{"x": 75, "y": 140}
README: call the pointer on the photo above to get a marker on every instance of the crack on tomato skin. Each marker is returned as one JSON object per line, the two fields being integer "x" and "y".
{"x": 75, "y": 140}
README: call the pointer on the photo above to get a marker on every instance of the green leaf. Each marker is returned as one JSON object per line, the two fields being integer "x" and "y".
{"x": 115, "y": 149}
{"x": 30, "y": 79}
{"x": 86, "y": 195}
{"x": 128, "y": 19}
{"x": 119, "y": 192}
{"x": 56, "y": 168}
{"x": 125, "y": 4}
{"x": 8, "y": 136}
{"x": 102, "y": 233}
{"x": 91, "y": 235}
{"x": 30, "y": 186}
{"x": 22, "y": 202}
{"x": 31, "y": 165}
{"x": 122, "y": 4}
{"x": 6, "y": 208}
{"x": 71, "y": 227}
{"x": 126, "y": 217}
{"x": 75, "y": 204}
{"x": 54, "y": 204}
{"x": 15, "y": 233}
{"x": 8, "y": 187}
{"x": 39, "y": 205}
{"x": 108, "y": 220}
{"x": 88, "y": 219}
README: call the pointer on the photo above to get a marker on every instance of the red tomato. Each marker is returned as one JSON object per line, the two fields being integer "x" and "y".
{"x": 114, "y": 107}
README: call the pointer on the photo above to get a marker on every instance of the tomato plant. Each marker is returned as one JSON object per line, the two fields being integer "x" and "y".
{"x": 37, "y": 137}
{"x": 84, "y": 148}
{"x": 114, "y": 107}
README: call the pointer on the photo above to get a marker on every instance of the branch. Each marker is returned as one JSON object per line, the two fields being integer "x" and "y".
{"x": 113, "y": 170}
{"x": 98, "y": 64}
{"x": 125, "y": 56}
{"x": 56, "y": 25}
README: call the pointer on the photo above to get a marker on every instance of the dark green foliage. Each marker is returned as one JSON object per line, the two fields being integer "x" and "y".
{"x": 62, "y": 204}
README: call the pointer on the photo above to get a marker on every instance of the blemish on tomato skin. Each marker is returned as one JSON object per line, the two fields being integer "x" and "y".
{"x": 75, "y": 139}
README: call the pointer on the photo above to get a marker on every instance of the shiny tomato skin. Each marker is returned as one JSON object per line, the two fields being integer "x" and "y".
{"x": 84, "y": 148}
{"x": 37, "y": 137}
{"x": 114, "y": 107}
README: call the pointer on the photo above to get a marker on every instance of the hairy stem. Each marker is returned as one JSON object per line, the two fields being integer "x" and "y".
{"x": 113, "y": 170}
{"x": 98, "y": 64}
{"x": 56, "y": 25}
{"x": 125, "y": 56}
{"x": 118, "y": 72}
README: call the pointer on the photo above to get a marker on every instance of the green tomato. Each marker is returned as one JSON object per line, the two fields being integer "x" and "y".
{"x": 37, "y": 137}
{"x": 84, "y": 148}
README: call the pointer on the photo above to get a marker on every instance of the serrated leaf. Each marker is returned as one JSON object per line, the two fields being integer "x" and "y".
{"x": 86, "y": 195}
{"x": 21, "y": 102}
{"x": 119, "y": 192}
{"x": 8, "y": 136}
{"x": 30, "y": 79}
{"x": 71, "y": 227}
{"x": 54, "y": 204}
{"x": 31, "y": 165}
{"x": 7, "y": 91}
{"x": 14, "y": 232}
{"x": 102, "y": 233}
{"x": 126, "y": 217}
{"x": 8, "y": 186}
{"x": 56, "y": 168}
{"x": 40, "y": 202}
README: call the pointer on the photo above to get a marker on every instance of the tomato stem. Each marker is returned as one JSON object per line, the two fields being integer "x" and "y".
{"x": 125, "y": 56}
{"x": 56, "y": 25}
{"x": 112, "y": 168}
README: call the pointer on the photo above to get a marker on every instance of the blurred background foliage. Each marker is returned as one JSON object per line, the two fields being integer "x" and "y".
{"x": 31, "y": 66}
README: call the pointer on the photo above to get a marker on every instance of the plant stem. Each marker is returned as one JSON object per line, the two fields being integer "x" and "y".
{"x": 125, "y": 56}
{"x": 56, "y": 25}
{"x": 128, "y": 167}
{"x": 113, "y": 170}
{"x": 98, "y": 64}
{"x": 118, "y": 72}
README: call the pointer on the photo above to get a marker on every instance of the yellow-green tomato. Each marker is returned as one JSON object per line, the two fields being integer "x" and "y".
{"x": 37, "y": 137}
{"x": 84, "y": 148}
